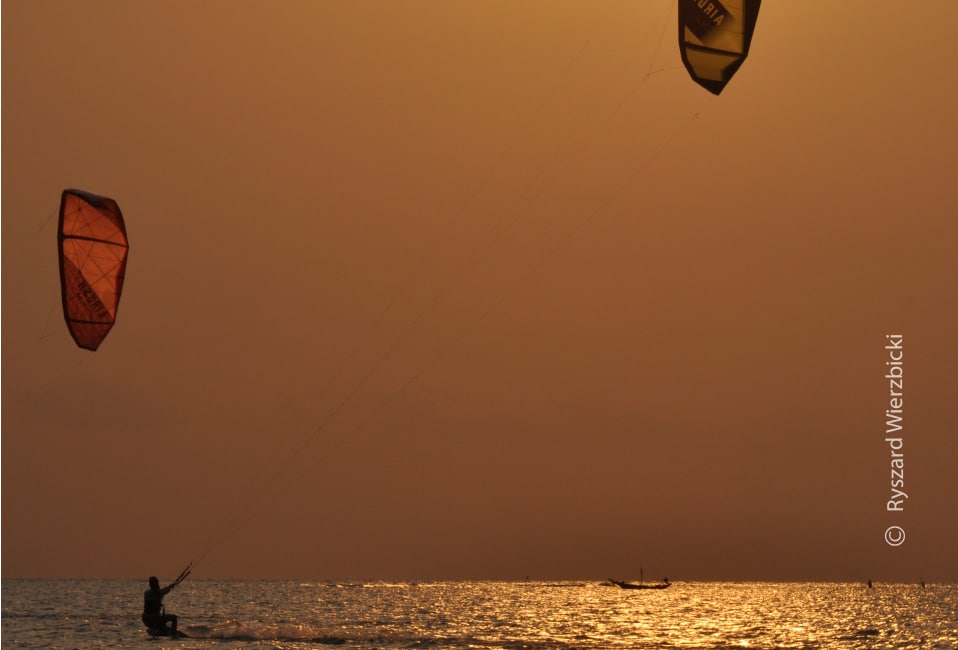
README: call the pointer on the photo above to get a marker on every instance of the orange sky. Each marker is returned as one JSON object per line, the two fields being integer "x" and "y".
{"x": 436, "y": 289}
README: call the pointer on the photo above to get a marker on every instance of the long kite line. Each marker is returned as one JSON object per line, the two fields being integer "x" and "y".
{"x": 266, "y": 480}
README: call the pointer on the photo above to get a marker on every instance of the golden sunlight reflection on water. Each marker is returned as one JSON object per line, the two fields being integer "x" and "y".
{"x": 705, "y": 615}
{"x": 687, "y": 615}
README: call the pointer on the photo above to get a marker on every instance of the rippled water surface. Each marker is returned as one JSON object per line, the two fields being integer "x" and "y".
{"x": 278, "y": 614}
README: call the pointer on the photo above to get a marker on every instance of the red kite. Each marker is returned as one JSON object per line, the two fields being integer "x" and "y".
{"x": 93, "y": 248}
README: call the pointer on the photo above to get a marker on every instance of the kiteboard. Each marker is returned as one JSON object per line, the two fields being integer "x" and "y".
{"x": 166, "y": 632}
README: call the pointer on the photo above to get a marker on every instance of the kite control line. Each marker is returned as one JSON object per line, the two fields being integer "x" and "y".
{"x": 185, "y": 572}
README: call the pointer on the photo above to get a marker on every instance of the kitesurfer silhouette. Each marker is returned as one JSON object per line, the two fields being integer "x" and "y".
{"x": 154, "y": 616}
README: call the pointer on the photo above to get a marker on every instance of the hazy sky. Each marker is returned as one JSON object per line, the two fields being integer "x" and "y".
{"x": 430, "y": 289}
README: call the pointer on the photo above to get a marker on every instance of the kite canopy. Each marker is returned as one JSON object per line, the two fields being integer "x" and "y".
{"x": 93, "y": 247}
{"x": 714, "y": 36}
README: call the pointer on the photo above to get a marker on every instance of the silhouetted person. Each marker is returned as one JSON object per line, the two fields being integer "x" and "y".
{"x": 154, "y": 616}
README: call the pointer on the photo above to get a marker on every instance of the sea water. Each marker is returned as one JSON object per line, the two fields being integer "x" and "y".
{"x": 457, "y": 615}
